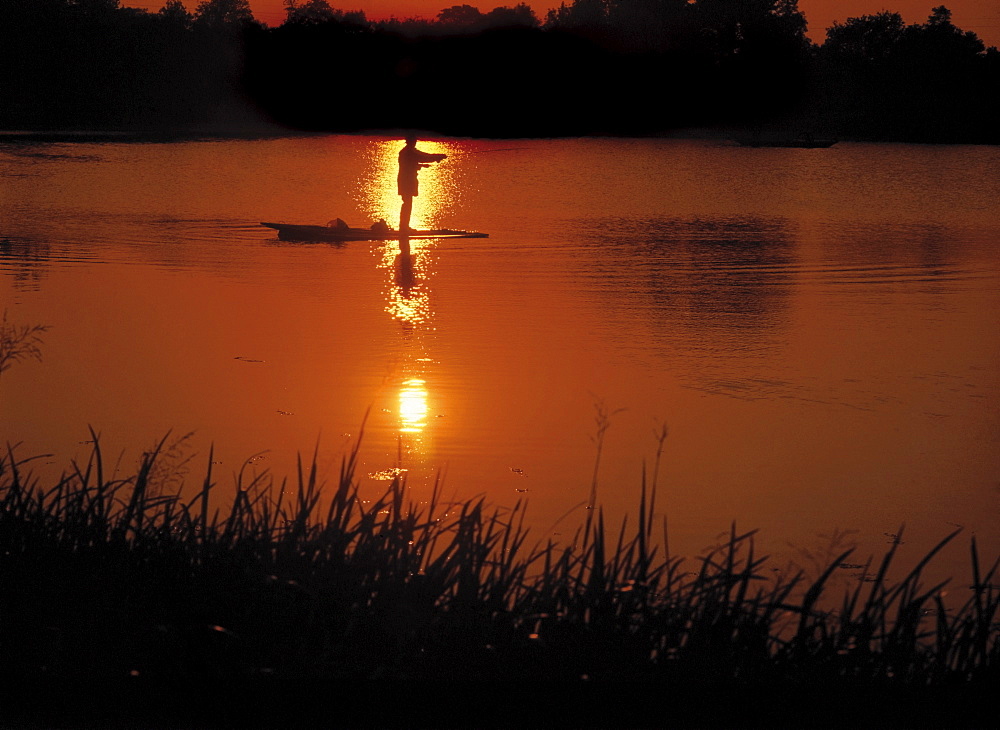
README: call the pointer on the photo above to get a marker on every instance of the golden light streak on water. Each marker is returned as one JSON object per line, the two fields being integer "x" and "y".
{"x": 408, "y": 265}
{"x": 409, "y": 305}
{"x": 407, "y": 294}
{"x": 413, "y": 406}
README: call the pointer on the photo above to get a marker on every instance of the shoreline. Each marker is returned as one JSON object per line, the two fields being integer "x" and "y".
{"x": 264, "y": 132}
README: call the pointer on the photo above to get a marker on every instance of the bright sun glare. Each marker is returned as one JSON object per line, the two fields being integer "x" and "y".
{"x": 413, "y": 406}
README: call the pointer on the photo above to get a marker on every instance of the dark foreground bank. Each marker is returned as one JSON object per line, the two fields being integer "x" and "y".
{"x": 315, "y": 703}
{"x": 123, "y": 605}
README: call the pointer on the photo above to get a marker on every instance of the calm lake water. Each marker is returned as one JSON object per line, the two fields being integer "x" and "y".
{"x": 816, "y": 328}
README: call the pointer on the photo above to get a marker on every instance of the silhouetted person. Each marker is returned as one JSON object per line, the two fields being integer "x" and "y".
{"x": 410, "y": 161}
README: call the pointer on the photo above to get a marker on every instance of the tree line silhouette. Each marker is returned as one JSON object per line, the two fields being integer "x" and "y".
{"x": 588, "y": 67}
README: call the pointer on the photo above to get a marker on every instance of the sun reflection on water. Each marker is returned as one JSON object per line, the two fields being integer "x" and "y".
{"x": 408, "y": 265}
{"x": 407, "y": 296}
{"x": 413, "y": 406}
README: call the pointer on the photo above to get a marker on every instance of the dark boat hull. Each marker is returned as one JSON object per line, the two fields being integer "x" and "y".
{"x": 804, "y": 143}
{"x": 296, "y": 232}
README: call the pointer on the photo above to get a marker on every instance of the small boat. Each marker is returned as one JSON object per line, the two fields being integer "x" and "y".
{"x": 297, "y": 232}
{"x": 805, "y": 140}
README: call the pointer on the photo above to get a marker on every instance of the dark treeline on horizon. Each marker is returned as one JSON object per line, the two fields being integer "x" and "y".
{"x": 589, "y": 67}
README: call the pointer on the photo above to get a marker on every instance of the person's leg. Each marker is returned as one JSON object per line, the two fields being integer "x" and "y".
{"x": 404, "y": 214}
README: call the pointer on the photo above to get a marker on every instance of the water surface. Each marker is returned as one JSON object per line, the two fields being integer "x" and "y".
{"x": 816, "y": 328}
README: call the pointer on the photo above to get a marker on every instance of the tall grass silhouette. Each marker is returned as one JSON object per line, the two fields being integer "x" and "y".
{"x": 105, "y": 577}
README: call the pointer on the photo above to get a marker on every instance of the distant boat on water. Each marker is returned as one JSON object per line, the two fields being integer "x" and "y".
{"x": 803, "y": 140}
{"x": 298, "y": 232}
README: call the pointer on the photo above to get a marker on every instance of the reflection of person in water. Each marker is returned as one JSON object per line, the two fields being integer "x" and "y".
{"x": 410, "y": 161}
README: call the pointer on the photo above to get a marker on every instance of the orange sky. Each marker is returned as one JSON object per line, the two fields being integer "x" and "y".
{"x": 981, "y": 16}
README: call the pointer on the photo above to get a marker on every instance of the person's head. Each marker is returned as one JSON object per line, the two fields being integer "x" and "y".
{"x": 411, "y": 139}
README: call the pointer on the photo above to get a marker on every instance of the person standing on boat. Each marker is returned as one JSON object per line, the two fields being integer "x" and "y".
{"x": 410, "y": 161}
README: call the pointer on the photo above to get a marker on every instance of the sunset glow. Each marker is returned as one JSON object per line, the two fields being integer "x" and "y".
{"x": 604, "y": 351}
{"x": 354, "y": 345}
